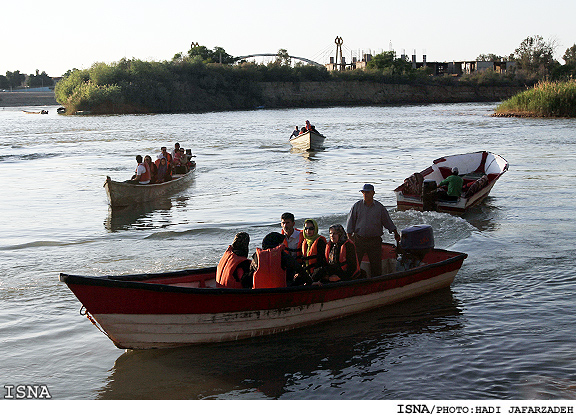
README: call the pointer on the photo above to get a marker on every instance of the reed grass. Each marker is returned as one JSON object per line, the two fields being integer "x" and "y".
{"x": 545, "y": 99}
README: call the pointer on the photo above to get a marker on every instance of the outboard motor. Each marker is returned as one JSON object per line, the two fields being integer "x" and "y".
{"x": 416, "y": 241}
{"x": 429, "y": 195}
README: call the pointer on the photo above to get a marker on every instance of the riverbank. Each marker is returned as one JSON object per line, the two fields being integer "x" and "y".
{"x": 25, "y": 99}
{"x": 323, "y": 94}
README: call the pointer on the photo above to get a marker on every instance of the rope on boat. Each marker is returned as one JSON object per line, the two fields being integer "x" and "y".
{"x": 84, "y": 312}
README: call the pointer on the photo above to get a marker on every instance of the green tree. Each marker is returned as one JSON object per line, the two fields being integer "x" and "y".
{"x": 15, "y": 79}
{"x": 570, "y": 55}
{"x": 535, "y": 56}
{"x": 388, "y": 62}
{"x": 4, "y": 82}
{"x": 490, "y": 57}
{"x": 283, "y": 58}
{"x": 218, "y": 55}
{"x": 39, "y": 79}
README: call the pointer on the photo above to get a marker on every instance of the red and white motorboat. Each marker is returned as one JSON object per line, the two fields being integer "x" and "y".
{"x": 184, "y": 307}
{"x": 479, "y": 170}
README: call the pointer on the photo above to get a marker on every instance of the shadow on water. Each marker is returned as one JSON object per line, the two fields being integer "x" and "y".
{"x": 271, "y": 366}
{"x": 123, "y": 218}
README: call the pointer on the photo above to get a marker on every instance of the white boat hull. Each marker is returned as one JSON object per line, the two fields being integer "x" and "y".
{"x": 308, "y": 141}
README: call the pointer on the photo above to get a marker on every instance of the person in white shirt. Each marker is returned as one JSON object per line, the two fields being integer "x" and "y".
{"x": 294, "y": 237}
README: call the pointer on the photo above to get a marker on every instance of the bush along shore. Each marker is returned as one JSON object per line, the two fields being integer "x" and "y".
{"x": 546, "y": 99}
{"x": 192, "y": 85}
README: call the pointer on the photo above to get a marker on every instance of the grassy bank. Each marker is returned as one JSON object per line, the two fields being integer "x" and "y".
{"x": 546, "y": 99}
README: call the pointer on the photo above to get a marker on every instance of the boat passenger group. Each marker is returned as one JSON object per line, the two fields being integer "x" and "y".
{"x": 166, "y": 164}
{"x": 298, "y": 131}
{"x": 304, "y": 257}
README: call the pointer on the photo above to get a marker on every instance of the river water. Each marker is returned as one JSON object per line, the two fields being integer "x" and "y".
{"x": 503, "y": 331}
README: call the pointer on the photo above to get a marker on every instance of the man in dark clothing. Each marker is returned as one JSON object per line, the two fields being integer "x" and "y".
{"x": 365, "y": 225}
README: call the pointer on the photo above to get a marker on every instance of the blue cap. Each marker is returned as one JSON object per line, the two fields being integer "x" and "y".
{"x": 367, "y": 188}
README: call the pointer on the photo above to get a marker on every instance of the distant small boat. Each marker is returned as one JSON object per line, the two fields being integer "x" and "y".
{"x": 126, "y": 194}
{"x": 479, "y": 170}
{"x": 308, "y": 141}
{"x": 35, "y": 112}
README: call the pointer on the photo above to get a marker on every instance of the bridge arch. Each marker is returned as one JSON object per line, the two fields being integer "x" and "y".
{"x": 311, "y": 62}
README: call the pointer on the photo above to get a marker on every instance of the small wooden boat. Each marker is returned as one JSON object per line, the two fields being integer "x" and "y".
{"x": 479, "y": 170}
{"x": 308, "y": 141}
{"x": 184, "y": 307}
{"x": 35, "y": 112}
{"x": 127, "y": 194}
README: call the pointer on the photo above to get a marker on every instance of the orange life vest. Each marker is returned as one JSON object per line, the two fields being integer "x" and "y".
{"x": 312, "y": 257}
{"x": 342, "y": 262}
{"x": 298, "y": 250}
{"x": 270, "y": 273}
{"x": 226, "y": 269}
{"x": 146, "y": 175}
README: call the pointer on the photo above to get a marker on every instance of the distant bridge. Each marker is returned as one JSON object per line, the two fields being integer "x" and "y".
{"x": 311, "y": 62}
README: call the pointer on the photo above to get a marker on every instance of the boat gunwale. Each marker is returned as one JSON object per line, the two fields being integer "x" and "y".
{"x": 136, "y": 281}
{"x": 109, "y": 180}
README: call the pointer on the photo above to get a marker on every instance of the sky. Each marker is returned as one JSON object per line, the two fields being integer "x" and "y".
{"x": 57, "y": 36}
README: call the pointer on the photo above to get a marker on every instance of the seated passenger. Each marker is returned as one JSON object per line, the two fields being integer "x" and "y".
{"x": 313, "y": 247}
{"x": 453, "y": 187}
{"x": 163, "y": 173}
{"x": 179, "y": 162}
{"x": 164, "y": 153}
{"x": 153, "y": 168}
{"x": 273, "y": 267}
{"x": 142, "y": 173}
{"x": 296, "y": 132}
{"x": 176, "y": 150}
{"x": 234, "y": 263}
{"x": 341, "y": 257}
{"x": 294, "y": 236}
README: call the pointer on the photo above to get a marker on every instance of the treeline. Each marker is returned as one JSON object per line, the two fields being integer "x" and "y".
{"x": 15, "y": 79}
{"x": 205, "y": 80}
{"x": 192, "y": 84}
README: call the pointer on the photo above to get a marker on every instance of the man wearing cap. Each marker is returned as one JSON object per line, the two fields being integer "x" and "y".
{"x": 365, "y": 226}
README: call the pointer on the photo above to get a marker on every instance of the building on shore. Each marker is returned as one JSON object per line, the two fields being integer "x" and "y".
{"x": 454, "y": 68}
